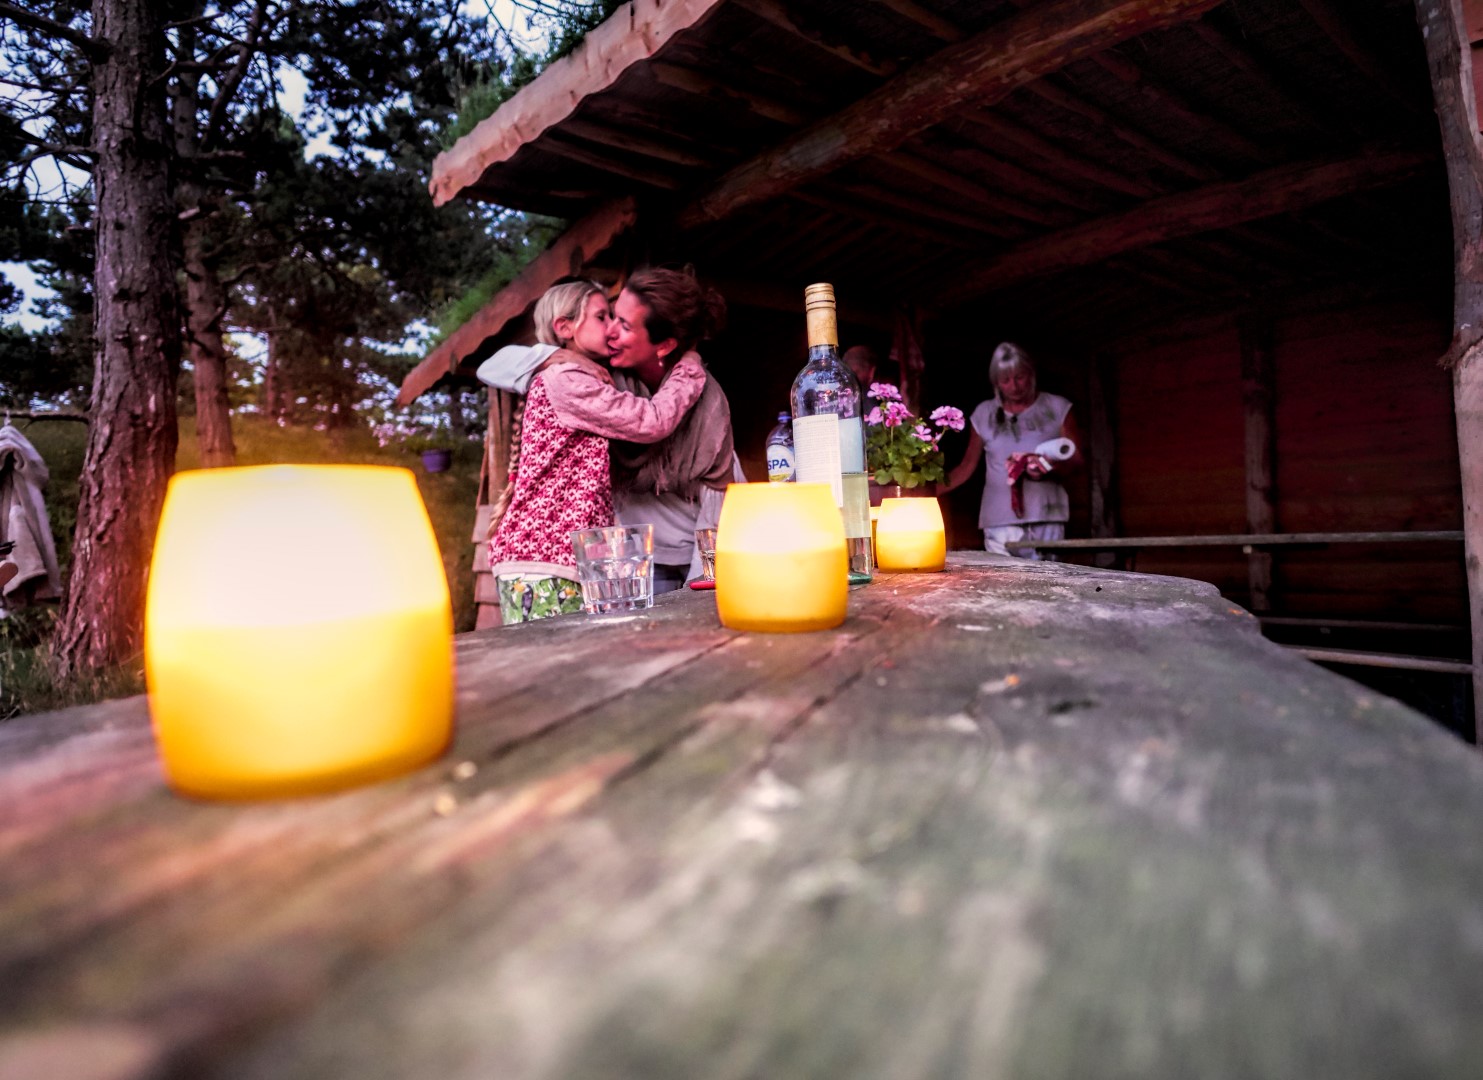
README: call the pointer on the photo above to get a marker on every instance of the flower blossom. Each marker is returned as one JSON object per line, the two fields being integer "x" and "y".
{"x": 884, "y": 392}
{"x": 896, "y": 413}
{"x": 948, "y": 417}
{"x": 923, "y": 432}
{"x": 873, "y": 416}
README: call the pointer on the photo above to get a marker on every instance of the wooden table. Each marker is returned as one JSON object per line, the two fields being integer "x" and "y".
{"x": 1014, "y": 820}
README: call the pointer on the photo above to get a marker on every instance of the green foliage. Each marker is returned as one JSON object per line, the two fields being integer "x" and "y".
{"x": 528, "y": 235}
{"x": 566, "y": 23}
{"x": 894, "y": 451}
{"x": 26, "y": 683}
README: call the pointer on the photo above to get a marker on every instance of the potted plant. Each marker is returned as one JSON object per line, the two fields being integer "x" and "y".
{"x": 430, "y": 441}
{"x": 902, "y": 454}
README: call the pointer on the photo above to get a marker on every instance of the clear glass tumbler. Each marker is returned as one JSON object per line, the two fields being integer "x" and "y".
{"x": 615, "y": 566}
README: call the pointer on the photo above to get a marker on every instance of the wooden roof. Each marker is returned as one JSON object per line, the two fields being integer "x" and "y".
{"x": 1079, "y": 161}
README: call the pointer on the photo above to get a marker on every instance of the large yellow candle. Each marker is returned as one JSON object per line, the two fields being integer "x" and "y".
{"x": 781, "y": 562}
{"x": 298, "y": 631}
{"x": 909, "y": 535}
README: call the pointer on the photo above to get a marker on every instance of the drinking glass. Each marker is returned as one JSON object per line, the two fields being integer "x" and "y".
{"x": 615, "y": 566}
{"x": 705, "y": 543}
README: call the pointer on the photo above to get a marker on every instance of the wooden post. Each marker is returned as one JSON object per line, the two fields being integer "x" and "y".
{"x": 1102, "y": 454}
{"x": 1258, "y": 402}
{"x": 1450, "y": 60}
{"x": 494, "y": 474}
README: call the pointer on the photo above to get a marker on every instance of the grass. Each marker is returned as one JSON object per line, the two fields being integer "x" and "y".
{"x": 26, "y": 684}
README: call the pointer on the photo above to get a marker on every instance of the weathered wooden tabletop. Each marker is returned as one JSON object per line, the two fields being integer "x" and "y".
{"x": 1013, "y": 820}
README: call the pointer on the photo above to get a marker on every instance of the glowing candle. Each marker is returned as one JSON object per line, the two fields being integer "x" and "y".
{"x": 298, "y": 631}
{"x": 781, "y": 562}
{"x": 909, "y": 535}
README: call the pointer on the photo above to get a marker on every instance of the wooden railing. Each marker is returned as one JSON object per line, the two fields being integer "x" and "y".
{"x": 1249, "y": 541}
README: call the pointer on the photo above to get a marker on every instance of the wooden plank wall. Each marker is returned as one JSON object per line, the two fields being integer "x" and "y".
{"x": 1364, "y": 441}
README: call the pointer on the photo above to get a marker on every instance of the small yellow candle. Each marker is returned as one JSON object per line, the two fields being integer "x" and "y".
{"x": 781, "y": 563}
{"x": 298, "y": 631}
{"x": 909, "y": 535}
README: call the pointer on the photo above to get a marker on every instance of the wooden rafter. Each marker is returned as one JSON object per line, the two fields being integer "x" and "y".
{"x": 694, "y": 81}
{"x": 979, "y": 70}
{"x": 634, "y": 143}
{"x": 781, "y": 16}
{"x": 1335, "y": 26}
{"x": 958, "y": 184}
{"x": 1025, "y": 181}
{"x": 555, "y": 143}
{"x": 929, "y": 21}
{"x": 1130, "y": 73}
{"x": 926, "y": 208}
{"x": 1240, "y": 58}
{"x": 1064, "y": 99}
{"x": 1006, "y": 131}
{"x": 571, "y": 251}
{"x": 1217, "y": 206}
{"x": 840, "y": 203}
{"x": 634, "y": 33}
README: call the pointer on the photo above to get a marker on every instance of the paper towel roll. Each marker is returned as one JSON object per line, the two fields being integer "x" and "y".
{"x": 1057, "y": 449}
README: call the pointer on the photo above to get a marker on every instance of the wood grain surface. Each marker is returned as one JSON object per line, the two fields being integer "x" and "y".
{"x": 1019, "y": 820}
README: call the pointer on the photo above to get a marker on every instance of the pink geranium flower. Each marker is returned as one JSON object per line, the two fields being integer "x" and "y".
{"x": 873, "y": 416}
{"x": 896, "y": 413}
{"x": 923, "y": 432}
{"x": 948, "y": 417}
{"x": 884, "y": 392}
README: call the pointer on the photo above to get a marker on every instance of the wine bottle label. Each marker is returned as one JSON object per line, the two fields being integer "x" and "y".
{"x": 816, "y": 447}
{"x": 851, "y": 444}
{"x": 856, "y": 505}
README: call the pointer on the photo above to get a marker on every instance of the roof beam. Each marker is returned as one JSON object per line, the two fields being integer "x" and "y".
{"x": 978, "y": 71}
{"x": 929, "y": 21}
{"x": 633, "y": 33}
{"x": 572, "y": 250}
{"x": 783, "y": 18}
{"x": 1130, "y": 73}
{"x": 1333, "y": 24}
{"x": 1068, "y": 101}
{"x": 1217, "y": 206}
{"x": 1003, "y": 130}
{"x": 694, "y": 81}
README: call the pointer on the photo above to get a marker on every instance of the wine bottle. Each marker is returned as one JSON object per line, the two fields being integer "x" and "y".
{"x": 828, "y": 430}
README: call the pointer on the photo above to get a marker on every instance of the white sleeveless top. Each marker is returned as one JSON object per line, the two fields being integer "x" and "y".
{"x": 1004, "y": 434}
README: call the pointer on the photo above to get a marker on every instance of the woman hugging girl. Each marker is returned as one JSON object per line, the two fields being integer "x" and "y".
{"x": 563, "y": 482}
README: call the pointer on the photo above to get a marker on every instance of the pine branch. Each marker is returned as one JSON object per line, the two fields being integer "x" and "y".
{"x": 92, "y": 48}
{"x": 228, "y": 86}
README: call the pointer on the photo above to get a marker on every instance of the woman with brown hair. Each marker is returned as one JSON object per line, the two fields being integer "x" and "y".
{"x": 676, "y": 485}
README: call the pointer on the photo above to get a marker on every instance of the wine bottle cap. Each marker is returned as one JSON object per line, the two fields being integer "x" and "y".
{"x": 818, "y": 306}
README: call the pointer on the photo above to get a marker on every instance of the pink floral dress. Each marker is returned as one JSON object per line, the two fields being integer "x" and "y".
{"x": 561, "y": 485}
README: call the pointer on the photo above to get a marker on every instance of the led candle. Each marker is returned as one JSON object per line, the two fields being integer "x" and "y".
{"x": 298, "y": 631}
{"x": 909, "y": 535}
{"x": 781, "y": 561}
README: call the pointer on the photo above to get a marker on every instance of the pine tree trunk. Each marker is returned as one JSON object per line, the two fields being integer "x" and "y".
{"x": 132, "y": 438}
{"x": 205, "y": 306}
{"x": 205, "y": 297}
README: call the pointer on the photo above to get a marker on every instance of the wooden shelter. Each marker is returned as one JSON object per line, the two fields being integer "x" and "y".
{"x": 1226, "y": 229}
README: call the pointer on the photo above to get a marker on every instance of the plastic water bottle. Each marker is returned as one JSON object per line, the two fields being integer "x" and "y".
{"x": 780, "y": 459}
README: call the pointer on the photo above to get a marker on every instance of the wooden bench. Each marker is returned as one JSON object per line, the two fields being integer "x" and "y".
{"x": 1012, "y": 820}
